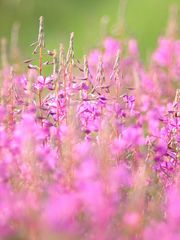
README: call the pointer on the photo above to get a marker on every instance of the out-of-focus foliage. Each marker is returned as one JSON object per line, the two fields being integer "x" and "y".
{"x": 145, "y": 19}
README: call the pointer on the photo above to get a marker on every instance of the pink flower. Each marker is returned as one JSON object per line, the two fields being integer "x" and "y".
{"x": 164, "y": 54}
{"x": 111, "y": 47}
{"x": 133, "y": 48}
{"x": 44, "y": 82}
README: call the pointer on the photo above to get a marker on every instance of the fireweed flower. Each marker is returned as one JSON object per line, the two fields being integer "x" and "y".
{"x": 92, "y": 150}
{"x": 43, "y": 83}
{"x": 167, "y": 227}
{"x": 133, "y": 47}
{"x": 165, "y": 52}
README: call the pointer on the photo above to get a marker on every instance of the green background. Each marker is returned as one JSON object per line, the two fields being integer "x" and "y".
{"x": 145, "y": 20}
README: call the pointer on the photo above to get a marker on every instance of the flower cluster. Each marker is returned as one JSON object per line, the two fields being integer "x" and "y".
{"x": 92, "y": 150}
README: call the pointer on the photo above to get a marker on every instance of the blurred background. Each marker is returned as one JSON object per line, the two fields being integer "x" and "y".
{"x": 145, "y": 20}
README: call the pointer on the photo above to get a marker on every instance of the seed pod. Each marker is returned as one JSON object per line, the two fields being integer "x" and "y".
{"x": 100, "y": 72}
{"x": 36, "y": 50}
{"x": 177, "y": 96}
{"x": 70, "y": 53}
{"x": 14, "y": 50}
{"x": 4, "y": 59}
{"x": 61, "y": 59}
{"x": 173, "y": 28}
{"x": 41, "y": 41}
{"x": 50, "y": 53}
{"x": 28, "y": 60}
{"x": 86, "y": 68}
{"x": 116, "y": 70}
{"x": 46, "y": 63}
{"x": 33, "y": 44}
{"x": 30, "y": 66}
{"x": 55, "y": 63}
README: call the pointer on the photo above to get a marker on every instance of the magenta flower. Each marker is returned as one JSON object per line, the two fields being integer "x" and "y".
{"x": 44, "y": 82}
